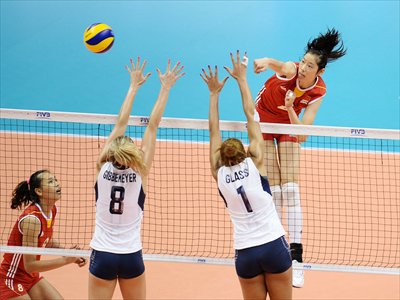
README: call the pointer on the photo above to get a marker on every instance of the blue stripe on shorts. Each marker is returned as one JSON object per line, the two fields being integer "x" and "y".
{"x": 108, "y": 266}
{"x": 272, "y": 257}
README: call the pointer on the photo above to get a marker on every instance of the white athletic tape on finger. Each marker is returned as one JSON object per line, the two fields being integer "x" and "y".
{"x": 245, "y": 60}
{"x": 290, "y": 94}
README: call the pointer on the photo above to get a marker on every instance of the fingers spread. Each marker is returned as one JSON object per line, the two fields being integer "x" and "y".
{"x": 210, "y": 71}
{"x": 132, "y": 64}
{"x": 228, "y": 70}
{"x": 202, "y": 76}
{"x": 169, "y": 65}
{"x": 175, "y": 67}
{"x": 144, "y": 64}
{"x": 205, "y": 74}
{"x": 138, "y": 62}
{"x": 232, "y": 59}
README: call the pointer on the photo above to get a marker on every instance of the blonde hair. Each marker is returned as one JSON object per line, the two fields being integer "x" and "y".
{"x": 123, "y": 152}
{"x": 232, "y": 152}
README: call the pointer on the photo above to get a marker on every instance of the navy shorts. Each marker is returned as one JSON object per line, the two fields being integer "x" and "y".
{"x": 272, "y": 257}
{"x": 108, "y": 266}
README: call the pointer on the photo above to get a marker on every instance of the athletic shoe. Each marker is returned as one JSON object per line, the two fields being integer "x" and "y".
{"x": 298, "y": 276}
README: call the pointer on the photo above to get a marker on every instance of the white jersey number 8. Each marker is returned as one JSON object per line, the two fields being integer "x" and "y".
{"x": 117, "y": 198}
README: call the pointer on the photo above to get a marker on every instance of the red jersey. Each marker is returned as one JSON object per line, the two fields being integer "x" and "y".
{"x": 13, "y": 262}
{"x": 270, "y": 101}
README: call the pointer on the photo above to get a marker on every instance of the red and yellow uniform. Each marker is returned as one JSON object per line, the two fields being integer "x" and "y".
{"x": 270, "y": 101}
{"x": 15, "y": 281}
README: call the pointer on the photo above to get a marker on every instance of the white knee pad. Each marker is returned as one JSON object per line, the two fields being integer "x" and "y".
{"x": 291, "y": 194}
{"x": 277, "y": 197}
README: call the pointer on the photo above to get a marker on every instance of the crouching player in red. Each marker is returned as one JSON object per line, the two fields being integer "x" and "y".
{"x": 19, "y": 273}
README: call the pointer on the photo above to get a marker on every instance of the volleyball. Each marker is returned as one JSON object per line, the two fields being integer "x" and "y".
{"x": 98, "y": 38}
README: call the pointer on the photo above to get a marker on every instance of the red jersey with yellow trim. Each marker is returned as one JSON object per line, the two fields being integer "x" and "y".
{"x": 13, "y": 262}
{"x": 270, "y": 101}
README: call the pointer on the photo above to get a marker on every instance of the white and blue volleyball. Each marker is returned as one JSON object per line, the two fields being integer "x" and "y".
{"x": 98, "y": 38}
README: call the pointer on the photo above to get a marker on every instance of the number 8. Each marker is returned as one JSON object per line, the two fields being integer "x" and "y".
{"x": 117, "y": 196}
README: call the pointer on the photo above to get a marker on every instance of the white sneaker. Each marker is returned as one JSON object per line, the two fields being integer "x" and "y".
{"x": 298, "y": 276}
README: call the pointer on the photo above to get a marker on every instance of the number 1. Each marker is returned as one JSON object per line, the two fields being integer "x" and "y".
{"x": 246, "y": 202}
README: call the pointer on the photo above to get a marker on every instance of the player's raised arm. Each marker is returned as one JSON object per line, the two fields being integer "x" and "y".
{"x": 137, "y": 79}
{"x": 214, "y": 86}
{"x": 238, "y": 71}
{"x": 284, "y": 69}
{"x": 167, "y": 81}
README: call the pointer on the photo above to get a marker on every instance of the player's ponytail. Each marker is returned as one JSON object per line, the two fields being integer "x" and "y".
{"x": 232, "y": 152}
{"x": 324, "y": 47}
{"x": 24, "y": 192}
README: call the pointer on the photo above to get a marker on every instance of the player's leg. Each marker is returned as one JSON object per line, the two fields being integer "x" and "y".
{"x": 250, "y": 273}
{"x": 101, "y": 288}
{"x": 289, "y": 154}
{"x": 253, "y": 288}
{"x": 279, "y": 285}
{"x": 103, "y": 270}
{"x": 134, "y": 288}
{"x": 276, "y": 263}
{"x": 132, "y": 279}
{"x": 43, "y": 290}
{"x": 273, "y": 172}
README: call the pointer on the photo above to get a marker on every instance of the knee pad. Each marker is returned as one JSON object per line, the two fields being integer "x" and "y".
{"x": 291, "y": 194}
{"x": 276, "y": 192}
{"x": 277, "y": 197}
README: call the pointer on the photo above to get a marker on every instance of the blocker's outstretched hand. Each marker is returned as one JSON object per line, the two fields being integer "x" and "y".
{"x": 136, "y": 72}
{"x": 169, "y": 78}
{"x": 239, "y": 68}
{"x": 214, "y": 85}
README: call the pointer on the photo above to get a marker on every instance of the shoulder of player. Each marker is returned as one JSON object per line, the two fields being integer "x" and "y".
{"x": 30, "y": 223}
{"x": 320, "y": 84}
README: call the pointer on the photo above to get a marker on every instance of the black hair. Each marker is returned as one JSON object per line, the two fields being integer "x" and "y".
{"x": 24, "y": 192}
{"x": 323, "y": 47}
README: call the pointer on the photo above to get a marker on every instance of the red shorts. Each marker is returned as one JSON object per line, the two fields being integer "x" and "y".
{"x": 265, "y": 118}
{"x": 280, "y": 137}
{"x": 17, "y": 286}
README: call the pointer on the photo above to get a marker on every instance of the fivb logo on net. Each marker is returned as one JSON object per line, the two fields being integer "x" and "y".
{"x": 43, "y": 115}
{"x": 144, "y": 120}
{"x": 358, "y": 131}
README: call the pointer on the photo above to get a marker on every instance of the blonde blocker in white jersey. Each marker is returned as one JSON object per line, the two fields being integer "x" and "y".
{"x": 123, "y": 169}
{"x": 249, "y": 202}
{"x": 119, "y": 210}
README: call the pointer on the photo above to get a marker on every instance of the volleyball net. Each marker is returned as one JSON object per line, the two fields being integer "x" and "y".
{"x": 349, "y": 184}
